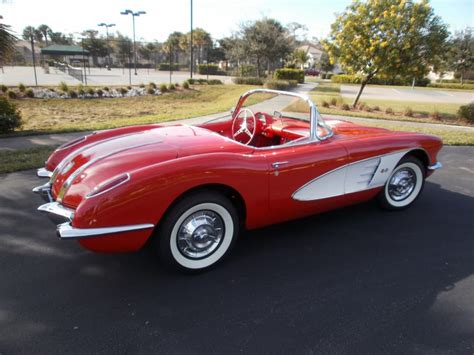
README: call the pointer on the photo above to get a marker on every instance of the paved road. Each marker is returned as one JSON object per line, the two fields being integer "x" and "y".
{"x": 356, "y": 280}
{"x": 96, "y": 76}
{"x": 408, "y": 94}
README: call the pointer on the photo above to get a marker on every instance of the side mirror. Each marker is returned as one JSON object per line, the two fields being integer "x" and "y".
{"x": 277, "y": 114}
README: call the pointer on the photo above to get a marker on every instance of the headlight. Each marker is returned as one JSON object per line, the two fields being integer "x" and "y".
{"x": 109, "y": 185}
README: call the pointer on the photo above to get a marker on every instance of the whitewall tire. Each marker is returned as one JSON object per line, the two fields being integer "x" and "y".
{"x": 404, "y": 184}
{"x": 197, "y": 232}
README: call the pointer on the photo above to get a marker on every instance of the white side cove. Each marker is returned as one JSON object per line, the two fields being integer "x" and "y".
{"x": 361, "y": 175}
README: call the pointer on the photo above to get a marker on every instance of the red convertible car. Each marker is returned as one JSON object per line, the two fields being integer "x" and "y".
{"x": 188, "y": 190}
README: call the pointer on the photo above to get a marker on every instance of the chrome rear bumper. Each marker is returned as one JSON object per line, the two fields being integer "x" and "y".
{"x": 43, "y": 173}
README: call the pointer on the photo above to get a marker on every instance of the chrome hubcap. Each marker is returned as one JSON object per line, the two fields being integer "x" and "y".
{"x": 401, "y": 184}
{"x": 200, "y": 234}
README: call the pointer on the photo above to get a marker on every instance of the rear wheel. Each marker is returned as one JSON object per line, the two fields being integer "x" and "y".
{"x": 197, "y": 232}
{"x": 404, "y": 185}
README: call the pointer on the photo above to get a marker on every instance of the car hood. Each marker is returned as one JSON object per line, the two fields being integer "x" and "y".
{"x": 93, "y": 164}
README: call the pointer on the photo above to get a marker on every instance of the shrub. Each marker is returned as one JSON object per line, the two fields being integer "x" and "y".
{"x": 435, "y": 115}
{"x": 171, "y": 87}
{"x": 72, "y": 94}
{"x": 10, "y": 117}
{"x": 91, "y": 91}
{"x": 163, "y": 88}
{"x": 4, "y": 88}
{"x": 293, "y": 83}
{"x": 123, "y": 91}
{"x": 63, "y": 87}
{"x": 452, "y": 86}
{"x": 191, "y": 81}
{"x": 11, "y": 94}
{"x": 329, "y": 75}
{"x": 215, "y": 82}
{"x": 106, "y": 88}
{"x": 129, "y": 87}
{"x": 323, "y": 76}
{"x": 368, "y": 108}
{"x": 142, "y": 85}
{"x": 325, "y": 103}
{"x": 152, "y": 85}
{"x": 290, "y": 74}
{"x": 278, "y": 84}
{"x": 81, "y": 91}
{"x": 376, "y": 108}
{"x": 100, "y": 93}
{"x": 251, "y": 80}
{"x": 466, "y": 112}
{"x": 30, "y": 93}
{"x": 389, "y": 111}
{"x": 333, "y": 101}
{"x": 357, "y": 79}
{"x": 361, "y": 105}
{"x": 185, "y": 85}
{"x": 210, "y": 69}
{"x": 177, "y": 85}
{"x": 408, "y": 112}
{"x": 245, "y": 70}
{"x": 345, "y": 107}
{"x": 21, "y": 87}
{"x": 151, "y": 91}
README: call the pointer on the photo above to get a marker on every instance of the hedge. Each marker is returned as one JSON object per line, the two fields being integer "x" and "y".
{"x": 290, "y": 74}
{"x": 210, "y": 69}
{"x": 166, "y": 67}
{"x": 452, "y": 86}
{"x": 454, "y": 81}
{"x": 280, "y": 84}
{"x": 10, "y": 117}
{"x": 357, "y": 79}
{"x": 251, "y": 80}
{"x": 467, "y": 112}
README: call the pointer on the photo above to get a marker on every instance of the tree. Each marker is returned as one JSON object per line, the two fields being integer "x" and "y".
{"x": 7, "y": 44}
{"x": 387, "y": 38}
{"x": 96, "y": 46}
{"x": 59, "y": 38}
{"x": 172, "y": 46}
{"x": 300, "y": 57}
{"x": 462, "y": 52}
{"x": 30, "y": 32}
{"x": 123, "y": 46}
{"x": 45, "y": 31}
{"x": 325, "y": 64}
{"x": 267, "y": 41}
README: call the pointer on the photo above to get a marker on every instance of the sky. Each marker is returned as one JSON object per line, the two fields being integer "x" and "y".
{"x": 219, "y": 17}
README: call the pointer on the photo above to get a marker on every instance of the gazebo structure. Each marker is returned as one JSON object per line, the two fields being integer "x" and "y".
{"x": 74, "y": 54}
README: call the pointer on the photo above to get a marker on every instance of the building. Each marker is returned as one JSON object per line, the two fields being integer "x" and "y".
{"x": 314, "y": 53}
{"x": 23, "y": 52}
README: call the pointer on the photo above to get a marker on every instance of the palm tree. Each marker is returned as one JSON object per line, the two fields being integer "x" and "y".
{"x": 7, "y": 43}
{"x": 301, "y": 57}
{"x": 45, "y": 31}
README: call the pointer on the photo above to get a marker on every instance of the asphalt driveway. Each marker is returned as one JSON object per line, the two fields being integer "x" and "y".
{"x": 355, "y": 280}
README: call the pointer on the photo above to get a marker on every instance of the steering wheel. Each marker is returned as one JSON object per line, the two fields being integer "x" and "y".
{"x": 244, "y": 128}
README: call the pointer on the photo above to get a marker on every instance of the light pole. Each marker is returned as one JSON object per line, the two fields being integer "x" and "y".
{"x": 107, "y": 26}
{"x": 134, "y": 14}
{"x": 191, "y": 41}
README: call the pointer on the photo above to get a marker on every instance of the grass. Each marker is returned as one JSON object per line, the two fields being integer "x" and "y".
{"x": 60, "y": 115}
{"x": 327, "y": 91}
{"x": 23, "y": 159}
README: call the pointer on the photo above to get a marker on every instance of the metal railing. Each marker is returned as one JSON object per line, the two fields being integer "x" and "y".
{"x": 70, "y": 70}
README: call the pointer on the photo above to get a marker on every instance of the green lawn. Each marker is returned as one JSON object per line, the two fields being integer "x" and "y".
{"x": 24, "y": 159}
{"x": 60, "y": 115}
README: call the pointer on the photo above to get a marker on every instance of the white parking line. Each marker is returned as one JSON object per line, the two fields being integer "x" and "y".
{"x": 397, "y": 91}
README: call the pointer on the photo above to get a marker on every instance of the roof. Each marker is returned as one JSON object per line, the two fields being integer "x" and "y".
{"x": 59, "y": 49}
{"x": 311, "y": 49}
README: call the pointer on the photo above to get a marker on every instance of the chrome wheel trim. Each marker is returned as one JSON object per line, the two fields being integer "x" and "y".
{"x": 221, "y": 248}
{"x": 401, "y": 183}
{"x": 407, "y": 193}
{"x": 200, "y": 234}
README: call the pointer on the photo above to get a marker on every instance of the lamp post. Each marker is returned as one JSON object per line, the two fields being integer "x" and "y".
{"x": 134, "y": 14}
{"x": 191, "y": 42}
{"x": 107, "y": 26}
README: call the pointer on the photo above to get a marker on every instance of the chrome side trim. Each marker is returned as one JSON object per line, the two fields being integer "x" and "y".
{"x": 66, "y": 231}
{"x": 44, "y": 173}
{"x": 436, "y": 166}
{"x": 57, "y": 209}
{"x": 91, "y": 194}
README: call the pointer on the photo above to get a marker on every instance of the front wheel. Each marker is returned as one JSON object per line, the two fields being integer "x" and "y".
{"x": 404, "y": 185}
{"x": 197, "y": 232}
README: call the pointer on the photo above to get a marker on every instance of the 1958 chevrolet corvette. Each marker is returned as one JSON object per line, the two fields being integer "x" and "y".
{"x": 188, "y": 190}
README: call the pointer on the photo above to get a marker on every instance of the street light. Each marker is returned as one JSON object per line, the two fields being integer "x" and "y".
{"x": 191, "y": 42}
{"x": 107, "y": 26}
{"x": 134, "y": 14}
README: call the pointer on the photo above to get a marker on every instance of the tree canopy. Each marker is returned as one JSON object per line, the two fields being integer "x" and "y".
{"x": 387, "y": 38}
{"x": 461, "y": 56}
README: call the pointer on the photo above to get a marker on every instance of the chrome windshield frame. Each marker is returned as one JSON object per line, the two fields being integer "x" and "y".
{"x": 314, "y": 112}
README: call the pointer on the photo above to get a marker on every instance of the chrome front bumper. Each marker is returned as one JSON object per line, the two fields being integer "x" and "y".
{"x": 62, "y": 216}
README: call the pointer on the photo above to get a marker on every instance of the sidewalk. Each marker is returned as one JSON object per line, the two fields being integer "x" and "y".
{"x": 23, "y": 142}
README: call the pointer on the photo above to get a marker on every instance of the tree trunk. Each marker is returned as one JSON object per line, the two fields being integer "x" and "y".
{"x": 362, "y": 86}
{"x": 462, "y": 78}
{"x": 258, "y": 67}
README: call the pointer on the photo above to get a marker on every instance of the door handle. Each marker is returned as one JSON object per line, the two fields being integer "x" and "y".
{"x": 277, "y": 164}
